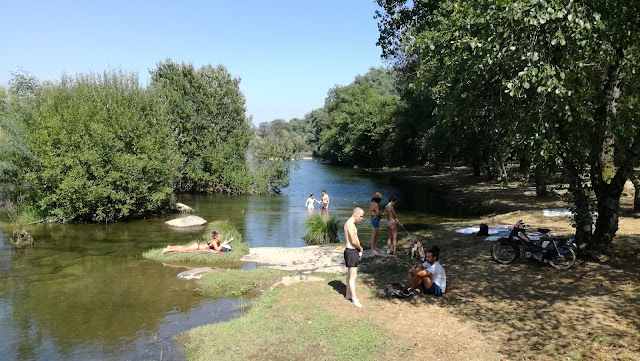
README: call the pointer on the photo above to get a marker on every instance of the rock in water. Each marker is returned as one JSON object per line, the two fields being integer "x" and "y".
{"x": 183, "y": 208}
{"x": 189, "y": 221}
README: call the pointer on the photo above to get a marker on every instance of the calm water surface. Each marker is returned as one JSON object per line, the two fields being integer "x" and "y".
{"x": 84, "y": 292}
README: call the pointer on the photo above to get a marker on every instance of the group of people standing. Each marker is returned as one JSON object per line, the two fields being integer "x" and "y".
{"x": 427, "y": 278}
{"x": 392, "y": 223}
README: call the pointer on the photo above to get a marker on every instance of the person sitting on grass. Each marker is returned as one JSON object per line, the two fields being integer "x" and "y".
{"x": 429, "y": 278}
{"x": 214, "y": 244}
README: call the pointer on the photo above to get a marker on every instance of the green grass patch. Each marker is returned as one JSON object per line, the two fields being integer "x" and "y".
{"x": 321, "y": 230}
{"x": 279, "y": 329}
{"x": 235, "y": 283}
{"x": 240, "y": 248}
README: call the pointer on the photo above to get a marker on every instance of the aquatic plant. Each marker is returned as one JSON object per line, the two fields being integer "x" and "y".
{"x": 321, "y": 230}
{"x": 17, "y": 213}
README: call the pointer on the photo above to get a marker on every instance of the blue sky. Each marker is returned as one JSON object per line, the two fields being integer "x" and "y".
{"x": 287, "y": 53}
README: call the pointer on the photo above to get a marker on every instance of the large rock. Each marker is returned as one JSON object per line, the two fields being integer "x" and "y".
{"x": 183, "y": 208}
{"x": 302, "y": 259}
{"x": 189, "y": 221}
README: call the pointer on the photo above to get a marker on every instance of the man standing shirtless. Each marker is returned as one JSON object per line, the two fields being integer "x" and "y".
{"x": 324, "y": 200}
{"x": 352, "y": 254}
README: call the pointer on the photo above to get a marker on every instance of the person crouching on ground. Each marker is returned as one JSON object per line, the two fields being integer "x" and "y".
{"x": 429, "y": 278}
{"x": 352, "y": 254}
{"x": 214, "y": 243}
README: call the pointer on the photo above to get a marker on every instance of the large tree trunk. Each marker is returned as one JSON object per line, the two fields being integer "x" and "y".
{"x": 541, "y": 183}
{"x": 608, "y": 196}
{"x": 583, "y": 219}
{"x": 607, "y": 177}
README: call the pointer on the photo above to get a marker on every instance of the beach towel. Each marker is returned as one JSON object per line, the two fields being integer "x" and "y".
{"x": 201, "y": 250}
{"x": 557, "y": 212}
{"x": 494, "y": 228}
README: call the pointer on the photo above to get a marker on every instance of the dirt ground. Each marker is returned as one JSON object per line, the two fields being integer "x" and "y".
{"x": 527, "y": 310}
{"x": 523, "y": 311}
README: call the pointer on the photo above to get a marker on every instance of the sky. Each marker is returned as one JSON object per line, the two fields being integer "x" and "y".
{"x": 288, "y": 54}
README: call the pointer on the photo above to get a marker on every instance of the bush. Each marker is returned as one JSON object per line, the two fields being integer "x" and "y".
{"x": 321, "y": 231}
{"x": 19, "y": 215}
{"x": 102, "y": 153}
{"x": 206, "y": 112}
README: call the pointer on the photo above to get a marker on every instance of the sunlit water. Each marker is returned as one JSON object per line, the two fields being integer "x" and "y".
{"x": 85, "y": 292}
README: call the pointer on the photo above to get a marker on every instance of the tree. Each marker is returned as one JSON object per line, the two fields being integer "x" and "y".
{"x": 206, "y": 111}
{"x": 567, "y": 67}
{"x": 273, "y": 149}
{"x": 103, "y": 153}
{"x": 16, "y": 111}
{"x": 357, "y": 125}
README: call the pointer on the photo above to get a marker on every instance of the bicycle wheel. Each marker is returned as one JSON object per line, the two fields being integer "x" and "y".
{"x": 565, "y": 260}
{"x": 504, "y": 253}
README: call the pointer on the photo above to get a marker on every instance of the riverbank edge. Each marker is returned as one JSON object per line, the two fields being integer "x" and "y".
{"x": 379, "y": 271}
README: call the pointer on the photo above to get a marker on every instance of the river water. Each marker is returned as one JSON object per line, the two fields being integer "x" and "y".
{"x": 84, "y": 291}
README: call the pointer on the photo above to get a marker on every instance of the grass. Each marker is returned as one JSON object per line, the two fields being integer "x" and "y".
{"x": 240, "y": 248}
{"x": 235, "y": 283}
{"x": 279, "y": 329}
{"x": 321, "y": 231}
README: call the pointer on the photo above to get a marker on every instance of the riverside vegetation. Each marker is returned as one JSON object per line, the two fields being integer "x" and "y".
{"x": 99, "y": 147}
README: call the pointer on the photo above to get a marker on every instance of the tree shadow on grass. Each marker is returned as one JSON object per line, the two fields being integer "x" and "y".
{"x": 591, "y": 310}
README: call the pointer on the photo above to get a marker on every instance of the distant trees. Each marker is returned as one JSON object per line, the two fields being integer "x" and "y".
{"x": 99, "y": 147}
{"x": 274, "y": 148}
{"x": 205, "y": 110}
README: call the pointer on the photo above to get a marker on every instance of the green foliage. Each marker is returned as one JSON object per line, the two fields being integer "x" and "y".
{"x": 273, "y": 148}
{"x": 16, "y": 111}
{"x": 226, "y": 230}
{"x": 548, "y": 82}
{"x": 321, "y": 230}
{"x": 19, "y": 215}
{"x": 360, "y": 121}
{"x": 103, "y": 152}
{"x": 206, "y": 112}
{"x": 314, "y": 121}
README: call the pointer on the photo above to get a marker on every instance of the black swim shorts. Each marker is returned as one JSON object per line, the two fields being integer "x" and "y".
{"x": 351, "y": 257}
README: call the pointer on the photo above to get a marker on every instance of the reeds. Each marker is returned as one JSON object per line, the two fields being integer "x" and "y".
{"x": 321, "y": 230}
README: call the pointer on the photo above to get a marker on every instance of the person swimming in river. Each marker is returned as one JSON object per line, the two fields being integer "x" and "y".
{"x": 214, "y": 244}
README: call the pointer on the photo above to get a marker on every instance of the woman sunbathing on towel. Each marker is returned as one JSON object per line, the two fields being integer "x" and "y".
{"x": 214, "y": 243}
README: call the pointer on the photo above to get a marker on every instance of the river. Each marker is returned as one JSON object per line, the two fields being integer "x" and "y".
{"x": 84, "y": 291}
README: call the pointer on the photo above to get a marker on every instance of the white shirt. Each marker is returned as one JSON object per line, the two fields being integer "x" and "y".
{"x": 438, "y": 274}
{"x": 309, "y": 203}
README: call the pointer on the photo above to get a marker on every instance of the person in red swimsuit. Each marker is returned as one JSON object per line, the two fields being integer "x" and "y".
{"x": 214, "y": 243}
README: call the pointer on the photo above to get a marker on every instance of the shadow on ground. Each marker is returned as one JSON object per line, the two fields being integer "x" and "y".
{"x": 591, "y": 311}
